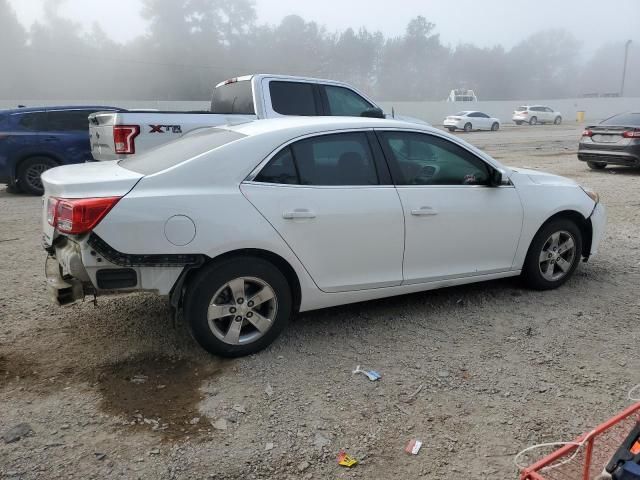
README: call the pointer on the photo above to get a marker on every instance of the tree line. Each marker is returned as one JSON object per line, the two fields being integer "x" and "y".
{"x": 192, "y": 44}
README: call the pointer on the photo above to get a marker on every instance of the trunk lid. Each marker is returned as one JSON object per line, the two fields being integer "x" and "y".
{"x": 85, "y": 180}
{"x": 609, "y": 135}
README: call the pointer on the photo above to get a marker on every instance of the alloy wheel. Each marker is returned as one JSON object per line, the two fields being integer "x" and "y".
{"x": 557, "y": 256}
{"x": 242, "y": 310}
{"x": 33, "y": 173}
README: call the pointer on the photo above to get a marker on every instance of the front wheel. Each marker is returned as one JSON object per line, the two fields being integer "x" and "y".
{"x": 495, "y": 127}
{"x": 238, "y": 306}
{"x": 553, "y": 255}
{"x": 596, "y": 165}
{"x": 467, "y": 127}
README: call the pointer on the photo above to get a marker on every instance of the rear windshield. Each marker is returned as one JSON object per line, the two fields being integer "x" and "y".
{"x": 624, "y": 120}
{"x": 521, "y": 109}
{"x": 174, "y": 153}
{"x": 461, "y": 114}
{"x": 235, "y": 97}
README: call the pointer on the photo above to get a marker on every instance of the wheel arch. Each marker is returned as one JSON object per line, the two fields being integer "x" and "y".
{"x": 584, "y": 224}
{"x": 279, "y": 262}
{"x": 26, "y": 156}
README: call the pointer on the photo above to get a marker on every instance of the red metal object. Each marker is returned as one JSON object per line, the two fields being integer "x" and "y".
{"x": 594, "y": 453}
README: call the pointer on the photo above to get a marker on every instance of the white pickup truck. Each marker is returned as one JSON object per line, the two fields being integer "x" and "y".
{"x": 116, "y": 135}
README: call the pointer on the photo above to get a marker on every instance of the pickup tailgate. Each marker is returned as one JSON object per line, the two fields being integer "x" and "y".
{"x": 143, "y": 131}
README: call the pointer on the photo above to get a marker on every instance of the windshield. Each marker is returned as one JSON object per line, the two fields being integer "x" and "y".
{"x": 174, "y": 153}
{"x": 623, "y": 119}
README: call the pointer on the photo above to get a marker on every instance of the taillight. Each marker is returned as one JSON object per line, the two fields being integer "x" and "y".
{"x": 52, "y": 205}
{"x": 78, "y": 215}
{"x": 587, "y": 133}
{"x": 631, "y": 134}
{"x": 124, "y": 138}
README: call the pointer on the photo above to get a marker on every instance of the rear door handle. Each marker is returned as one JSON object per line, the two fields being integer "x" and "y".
{"x": 424, "y": 211}
{"x": 298, "y": 213}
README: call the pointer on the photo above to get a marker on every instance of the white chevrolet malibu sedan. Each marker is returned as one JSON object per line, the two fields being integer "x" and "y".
{"x": 471, "y": 120}
{"x": 243, "y": 226}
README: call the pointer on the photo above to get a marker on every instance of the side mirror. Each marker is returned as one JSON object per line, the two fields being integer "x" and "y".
{"x": 495, "y": 178}
{"x": 373, "y": 113}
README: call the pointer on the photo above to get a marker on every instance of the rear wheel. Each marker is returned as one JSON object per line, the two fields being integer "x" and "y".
{"x": 30, "y": 171}
{"x": 451, "y": 129}
{"x": 495, "y": 126}
{"x": 518, "y": 122}
{"x": 558, "y": 120}
{"x": 467, "y": 127}
{"x": 533, "y": 121}
{"x": 553, "y": 255}
{"x": 238, "y": 306}
{"x": 596, "y": 165}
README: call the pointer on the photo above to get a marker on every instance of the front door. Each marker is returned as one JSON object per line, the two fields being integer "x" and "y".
{"x": 457, "y": 225}
{"x": 331, "y": 199}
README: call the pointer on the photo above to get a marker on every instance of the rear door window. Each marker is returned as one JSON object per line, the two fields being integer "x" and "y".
{"x": 68, "y": 120}
{"x": 32, "y": 121}
{"x": 293, "y": 98}
{"x": 342, "y": 159}
{"x": 345, "y": 102}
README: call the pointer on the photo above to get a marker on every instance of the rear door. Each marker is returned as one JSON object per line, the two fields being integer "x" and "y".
{"x": 285, "y": 97}
{"x": 22, "y": 136}
{"x": 68, "y": 134}
{"x": 331, "y": 199}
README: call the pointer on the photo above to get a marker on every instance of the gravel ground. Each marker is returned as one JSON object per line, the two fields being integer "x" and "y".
{"x": 115, "y": 390}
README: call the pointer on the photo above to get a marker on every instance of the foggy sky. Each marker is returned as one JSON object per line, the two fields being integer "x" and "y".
{"x": 484, "y": 23}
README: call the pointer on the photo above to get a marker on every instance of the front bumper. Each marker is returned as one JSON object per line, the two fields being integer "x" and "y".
{"x": 598, "y": 223}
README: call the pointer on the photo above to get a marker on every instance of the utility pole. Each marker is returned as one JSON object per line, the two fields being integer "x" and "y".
{"x": 624, "y": 68}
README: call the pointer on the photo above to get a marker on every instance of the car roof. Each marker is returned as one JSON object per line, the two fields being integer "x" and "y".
{"x": 58, "y": 108}
{"x": 306, "y": 125}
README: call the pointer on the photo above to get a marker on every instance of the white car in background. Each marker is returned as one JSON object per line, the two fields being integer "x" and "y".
{"x": 244, "y": 226}
{"x": 471, "y": 120}
{"x": 534, "y": 114}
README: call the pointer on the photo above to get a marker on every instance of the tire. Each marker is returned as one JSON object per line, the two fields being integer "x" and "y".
{"x": 467, "y": 127}
{"x": 597, "y": 165}
{"x": 542, "y": 256}
{"x": 557, "y": 120}
{"x": 30, "y": 171}
{"x": 495, "y": 127}
{"x": 518, "y": 123}
{"x": 256, "y": 274}
{"x": 451, "y": 129}
{"x": 533, "y": 120}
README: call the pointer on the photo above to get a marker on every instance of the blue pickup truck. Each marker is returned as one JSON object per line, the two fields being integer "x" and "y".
{"x": 33, "y": 140}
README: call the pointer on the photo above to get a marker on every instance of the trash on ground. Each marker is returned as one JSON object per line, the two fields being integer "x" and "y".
{"x": 139, "y": 379}
{"x": 370, "y": 374}
{"x": 413, "y": 447}
{"x": 346, "y": 460}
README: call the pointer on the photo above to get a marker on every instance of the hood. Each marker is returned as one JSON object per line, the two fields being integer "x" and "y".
{"x": 92, "y": 179}
{"x": 544, "y": 178}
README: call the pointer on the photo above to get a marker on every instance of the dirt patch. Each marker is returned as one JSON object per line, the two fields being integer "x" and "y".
{"x": 15, "y": 368}
{"x": 157, "y": 393}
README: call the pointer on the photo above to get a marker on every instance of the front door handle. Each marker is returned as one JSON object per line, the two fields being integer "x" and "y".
{"x": 424, "y": 211}
{"x": 298, "y": 213}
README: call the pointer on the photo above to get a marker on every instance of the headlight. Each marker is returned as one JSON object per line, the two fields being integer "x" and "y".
{"x": 592, "y": 195}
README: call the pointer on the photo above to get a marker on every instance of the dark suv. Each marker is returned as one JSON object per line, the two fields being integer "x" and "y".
{"x": 614, "y": 141}
{"x": 33, "y": 140}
